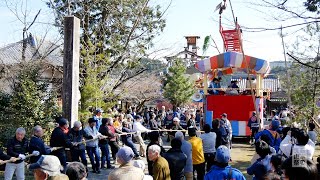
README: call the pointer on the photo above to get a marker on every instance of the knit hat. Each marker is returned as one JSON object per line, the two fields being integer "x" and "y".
{"x": 176, "y": 119}
{"x": 275, "y": 125}
{"x": 125, "y": 154}
{"x": 49, "y": 164}
{"x": 222, "y": 154}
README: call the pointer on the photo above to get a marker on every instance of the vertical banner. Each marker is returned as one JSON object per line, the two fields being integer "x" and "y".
{"x": 259, "y": 107}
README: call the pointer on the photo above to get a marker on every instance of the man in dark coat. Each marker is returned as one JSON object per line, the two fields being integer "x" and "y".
{"x": 76, "y": 135}
{"x": 59, "y": 138}
{"x": 37, "y": 144}
{"x": 176, "y": 159}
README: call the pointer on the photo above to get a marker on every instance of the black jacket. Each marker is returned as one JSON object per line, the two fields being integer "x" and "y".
{"x": 219, "y": 137}
{"x": 15, "y": 147}
{"x": 104, "y": 130}
{"x": 177, "y": 160}
{"x": 37, "y": 144}
{"x": 59, "y": 139}
{"x": 128, "y": 137}
{"x": 3, "y": 156}
{"x": 77, "y": 136}
{"x": 175, "y": 127}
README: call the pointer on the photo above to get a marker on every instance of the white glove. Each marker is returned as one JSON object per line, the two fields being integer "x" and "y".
{"x": 35, "y": 153}
{"x": 22, "y": 156}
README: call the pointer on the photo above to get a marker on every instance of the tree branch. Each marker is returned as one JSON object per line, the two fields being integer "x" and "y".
{"x": 302, "y": 63}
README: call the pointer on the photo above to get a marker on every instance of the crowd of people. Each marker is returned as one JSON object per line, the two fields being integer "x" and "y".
{"x": 198, "y": 150}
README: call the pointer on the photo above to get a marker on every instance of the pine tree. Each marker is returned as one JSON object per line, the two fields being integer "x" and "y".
{"x": 178, "y": 89}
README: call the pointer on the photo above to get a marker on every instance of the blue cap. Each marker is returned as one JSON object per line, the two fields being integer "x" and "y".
{"x": 275, "y": 125}
{"x": 99, "y": 110}
{"x": 138, "y": 117}
{"x": 222, "y": 154}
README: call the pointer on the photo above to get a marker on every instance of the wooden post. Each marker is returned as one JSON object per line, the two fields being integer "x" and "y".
{"x": 71, "y": 57}
{"x": 259, "y": 100}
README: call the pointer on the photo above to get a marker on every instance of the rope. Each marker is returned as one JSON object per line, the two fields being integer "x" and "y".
{"x": 15, "y": 159}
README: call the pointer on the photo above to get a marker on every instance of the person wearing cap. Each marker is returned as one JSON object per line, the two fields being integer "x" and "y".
{"x": 176, "y": 159}
{"x": 48, "y": 167}
{"x": 254, "y": 126}
{"x": 262, "y": 165}
{"x": 175, "y": 127}
{"x": 17, "y": 147}
{"x": 273, "y": 136}
{"x": 139, "y": 128}
{"x": 221, "y": 169}
{"x": 154, "y": 137}
{"x": 160, "y": 168}
{"x": 103, "y": 144}
{"x": 126, "y": 169}
{"x": 187, "y": 150}
{"x": 198, "y": 160}
{"x": 225, "y": 127}
{"x": 127, "y": 139}
{"x": 92, "y": 146}
{"x": 59, "y": 138}
{"x": 76, "y": 136}
{"x": 98, "y": 117}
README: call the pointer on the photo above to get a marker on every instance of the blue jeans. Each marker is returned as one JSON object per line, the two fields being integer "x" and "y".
{"x": 94, "y": 156}
{"x": 76, "y": 153}
{"x": 105, "y": 155}
{"x": 129, "y": 143}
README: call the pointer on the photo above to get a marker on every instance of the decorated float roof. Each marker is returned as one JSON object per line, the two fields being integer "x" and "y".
{"x": 230, "y": 62}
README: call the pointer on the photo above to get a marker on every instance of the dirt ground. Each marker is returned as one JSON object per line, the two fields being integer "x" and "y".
{"x": 241, "y": 154}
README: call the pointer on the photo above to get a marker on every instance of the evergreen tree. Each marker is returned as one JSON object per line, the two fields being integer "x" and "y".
{"x": 178, "y": 89}
{"x": 31, "y": 101}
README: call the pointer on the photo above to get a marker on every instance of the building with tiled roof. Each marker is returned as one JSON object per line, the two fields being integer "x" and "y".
{"x": 49, "y": 54}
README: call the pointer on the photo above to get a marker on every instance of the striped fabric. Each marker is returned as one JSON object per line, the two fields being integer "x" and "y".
{"x": 229, "y": 62}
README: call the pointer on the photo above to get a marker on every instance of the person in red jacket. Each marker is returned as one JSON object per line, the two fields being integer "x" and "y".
{"x": 113, "y": 138}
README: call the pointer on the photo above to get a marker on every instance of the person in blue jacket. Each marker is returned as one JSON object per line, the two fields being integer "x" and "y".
{"x": 262, "y": 166}
{"x": 272, "y": 134}
{"x": 222, "y": 169}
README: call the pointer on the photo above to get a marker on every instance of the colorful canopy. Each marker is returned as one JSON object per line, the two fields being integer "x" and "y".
{"x": 229, "y": 62}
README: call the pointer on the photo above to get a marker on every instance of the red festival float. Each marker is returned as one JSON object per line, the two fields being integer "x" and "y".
{"x": 238, "y": 107}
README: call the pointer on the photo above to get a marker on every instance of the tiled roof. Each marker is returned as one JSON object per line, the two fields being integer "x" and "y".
{"x": 46, "y": 51}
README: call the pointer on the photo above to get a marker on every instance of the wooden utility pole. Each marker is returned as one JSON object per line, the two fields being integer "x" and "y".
{"x": 70, "y": 95}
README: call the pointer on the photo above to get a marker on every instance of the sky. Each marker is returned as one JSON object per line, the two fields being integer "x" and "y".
{"x": 183, "y": 18}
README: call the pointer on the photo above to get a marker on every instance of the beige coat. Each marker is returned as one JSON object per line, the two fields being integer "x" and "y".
{"x": 127, "y": 172}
